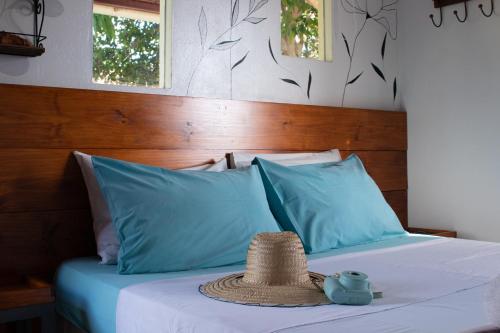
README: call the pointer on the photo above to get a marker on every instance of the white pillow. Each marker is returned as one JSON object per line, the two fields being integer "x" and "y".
{"x": 105, "y": 234}
{"x": 242, "y": 160}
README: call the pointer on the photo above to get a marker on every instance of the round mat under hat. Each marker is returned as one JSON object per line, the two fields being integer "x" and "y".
{"x": 276, "y": 275}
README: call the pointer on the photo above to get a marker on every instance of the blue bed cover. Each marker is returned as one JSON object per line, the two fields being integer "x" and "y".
{"x": 87, "y": 292}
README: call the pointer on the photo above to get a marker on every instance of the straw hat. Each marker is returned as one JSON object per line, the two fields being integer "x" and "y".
{"x": 276, "y": 275}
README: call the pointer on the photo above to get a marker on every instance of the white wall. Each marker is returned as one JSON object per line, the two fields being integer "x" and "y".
{"x": 448, "y": 79}
{"x": 451, "y": 91}
{"x": 68, "y": 63}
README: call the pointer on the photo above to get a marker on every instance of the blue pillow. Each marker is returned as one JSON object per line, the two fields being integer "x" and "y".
{"x": 329, "y": 205}
{"x": 181, "y": 220}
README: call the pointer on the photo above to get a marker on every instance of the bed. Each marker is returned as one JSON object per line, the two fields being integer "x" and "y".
{"x": 445, "y": 292}
{"x": 46, "y": 224}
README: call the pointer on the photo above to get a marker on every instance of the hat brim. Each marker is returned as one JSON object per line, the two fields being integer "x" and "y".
{"x": 233, "y": 289}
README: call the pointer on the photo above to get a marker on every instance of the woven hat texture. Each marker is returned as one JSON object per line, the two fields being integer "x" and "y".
{"x": 276, "y": 275}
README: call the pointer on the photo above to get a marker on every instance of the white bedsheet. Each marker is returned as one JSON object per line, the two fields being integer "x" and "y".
{"x": 442, "y": 279}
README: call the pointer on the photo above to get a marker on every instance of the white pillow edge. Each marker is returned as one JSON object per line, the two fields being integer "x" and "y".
{"x": 241, "y": 160}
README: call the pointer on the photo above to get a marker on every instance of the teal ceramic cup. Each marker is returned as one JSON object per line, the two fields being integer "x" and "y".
{"x": 348, "y": 288}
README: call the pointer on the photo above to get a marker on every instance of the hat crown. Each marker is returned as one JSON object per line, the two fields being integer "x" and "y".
{"x": 277, "y": 259}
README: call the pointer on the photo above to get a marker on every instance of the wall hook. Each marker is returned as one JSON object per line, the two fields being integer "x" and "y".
{"x": 466, "y": 13}
{"x": 441, "y": 18}
{"x": 492, "y": 9}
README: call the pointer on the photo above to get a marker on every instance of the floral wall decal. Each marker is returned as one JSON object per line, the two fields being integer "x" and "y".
{"x": 384, "y": 16}
{"x": 381, "y": 74}
{"x": 216, "y": 42}
{"x": 290, "y": 80}
{"x": 379, "y": 17}
{"x": 225, "y": 41}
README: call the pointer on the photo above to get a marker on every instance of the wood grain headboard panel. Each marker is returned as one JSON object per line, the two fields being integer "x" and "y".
{"x": 44, "y": 211}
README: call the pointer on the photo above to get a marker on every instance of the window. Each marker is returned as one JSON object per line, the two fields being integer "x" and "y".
{"x": 132, "y": 42}
{"x": 306, "y": 29}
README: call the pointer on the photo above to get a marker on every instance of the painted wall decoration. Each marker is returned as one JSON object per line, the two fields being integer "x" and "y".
{"x": 385, "y": 16}
{"x": 290, "y": 76}
{"x": 225, "y": 42}
{"x": 382, "y": 17}
{"x": 229, "y": 49}
{"x": 222, "y": 43}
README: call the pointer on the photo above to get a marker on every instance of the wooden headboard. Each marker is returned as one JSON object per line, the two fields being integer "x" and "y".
{"x": 44, "y": 210}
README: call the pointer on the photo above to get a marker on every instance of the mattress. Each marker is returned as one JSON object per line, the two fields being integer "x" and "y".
{"x": 88, "y": 295}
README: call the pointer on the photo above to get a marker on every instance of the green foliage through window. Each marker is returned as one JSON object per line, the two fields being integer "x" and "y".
{"x": 299, "y": 29}
{"x": 126, "y": 51}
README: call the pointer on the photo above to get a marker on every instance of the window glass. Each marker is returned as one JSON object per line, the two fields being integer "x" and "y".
{"x": 128, "y": 42}
{"x": 306, "y": 29}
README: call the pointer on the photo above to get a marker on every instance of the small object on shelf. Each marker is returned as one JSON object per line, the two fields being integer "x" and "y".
{"x": 433, "y": 232}
{"x": 27, "y": 299}
{"x": 17, "y": 50}
{"x": 8, "y": 38}
{"x": 15, "y": 43}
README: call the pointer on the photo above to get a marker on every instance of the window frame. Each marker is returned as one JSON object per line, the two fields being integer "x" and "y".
{"x": 325, "y": 32}
{"x": 325, "y": 28}
{"x": 166, "y": 37}
{"x": 127, "y": 7}
{"x": 131, "y": 4}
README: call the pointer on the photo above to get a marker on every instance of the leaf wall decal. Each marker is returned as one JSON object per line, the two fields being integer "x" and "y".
{"x": 202, "y": 26}
{"x": 251, "y": 3}
{"x": 395, "y": 88}
{"x": 239, "y": 62}
{"x": 291, "y": 82}
{"x": 355, "y": 79}
{"x": 235, "y": 12}
{"x": 383, "y": 46}
{"x": 309, "y": 83}
{"x": 347, "y": 46}
{"x": 259, "y": 5}
{"x": 254, "y": 20}
{"x": 225, "y": 45}
{"x": 271, "y": 51}
{"x": 378, "y": 71}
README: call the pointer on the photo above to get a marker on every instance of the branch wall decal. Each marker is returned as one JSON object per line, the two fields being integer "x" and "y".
{"x": 293, "y": 80}
{"x": 384, "y": 16}
{"x": 221, "y": 44}
{"x": 380, "y": 72}
{"x": 380, "y": 17}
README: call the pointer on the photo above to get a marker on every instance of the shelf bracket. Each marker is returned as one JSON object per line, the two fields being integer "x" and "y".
{"x": 39, "y": 18}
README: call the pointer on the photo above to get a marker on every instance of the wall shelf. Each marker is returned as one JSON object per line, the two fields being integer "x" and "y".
{"x": 35, "y": 48}
{"x": 19, "y": 50}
